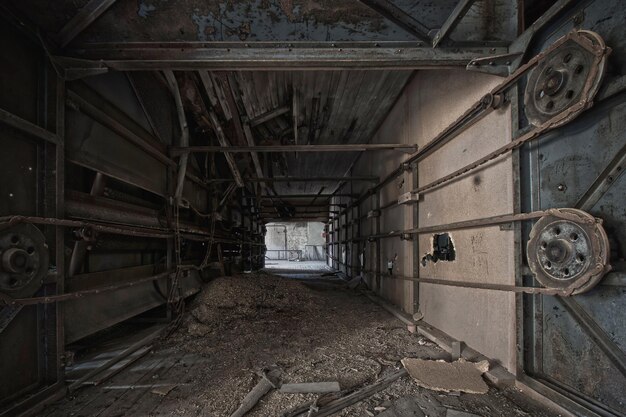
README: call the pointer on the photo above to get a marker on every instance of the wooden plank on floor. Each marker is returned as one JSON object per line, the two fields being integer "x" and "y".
{"x": 182, "y": 394}
{"x": 92, "y": 401}
{"x": 131, "y": 396}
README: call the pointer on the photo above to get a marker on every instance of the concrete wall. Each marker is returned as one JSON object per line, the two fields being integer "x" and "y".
{"x": 484, "y": 319}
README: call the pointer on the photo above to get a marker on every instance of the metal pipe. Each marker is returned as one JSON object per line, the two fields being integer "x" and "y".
{"x": 184, "y": 136}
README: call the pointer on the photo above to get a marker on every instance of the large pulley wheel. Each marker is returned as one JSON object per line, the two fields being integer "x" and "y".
{"x": 568, "y": 250}
{"x": 567, "y": 75}
{"x": 23, "y": 260}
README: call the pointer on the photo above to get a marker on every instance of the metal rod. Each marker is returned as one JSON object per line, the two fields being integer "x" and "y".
{"x": 296, "y": 148}
{"x": 605, "y": 180}
{"x": 455, "y": 17}
{"x": 79, "y": 294}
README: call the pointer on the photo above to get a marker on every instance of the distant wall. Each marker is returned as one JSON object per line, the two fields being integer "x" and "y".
{"x": 300, "y": 237}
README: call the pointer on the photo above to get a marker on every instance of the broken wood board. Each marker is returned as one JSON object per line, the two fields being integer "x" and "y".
{"x": 357, "y": 396}
{"x": 310, "y": 387}
{"x": 458, "y": 413}
{"x": 447, "y": 376}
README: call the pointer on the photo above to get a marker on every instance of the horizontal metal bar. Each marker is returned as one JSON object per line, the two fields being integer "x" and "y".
{"x": 295, "y": 148}
{"x": 296, "y": 179}
{"x": 278, "y": 56}
{"x": 27, "y": 127}
{"x": 80, "y": 294}
{"x": 287, "y": 196}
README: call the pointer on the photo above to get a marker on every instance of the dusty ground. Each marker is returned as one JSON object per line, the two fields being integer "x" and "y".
{"x": 312, "y": 330}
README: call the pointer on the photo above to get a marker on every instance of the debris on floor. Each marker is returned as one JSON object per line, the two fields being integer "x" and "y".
{"x": 444, "y": 376}
{"x": 269, "y": 380}
{"x": 314, "y": 329}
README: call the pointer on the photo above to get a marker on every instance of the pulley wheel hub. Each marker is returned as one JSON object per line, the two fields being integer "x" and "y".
{"x": 23, "y": 260}
{"x": 565, "y": 76}
{"x": 568, "y": 249}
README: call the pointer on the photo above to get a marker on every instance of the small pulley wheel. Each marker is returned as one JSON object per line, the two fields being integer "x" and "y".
{"x": 565, "y": 77}
{"x": 23, "y": 260}
{"x": 568, "y": 250}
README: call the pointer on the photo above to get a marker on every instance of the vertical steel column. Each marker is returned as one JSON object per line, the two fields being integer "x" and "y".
{"x": 60, "y": 214}
{"x": 416, "y": 243}
{"x": 379, "y": 268}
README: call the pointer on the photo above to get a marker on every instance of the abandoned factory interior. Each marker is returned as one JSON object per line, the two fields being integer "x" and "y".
{"x": 310, "y": 208}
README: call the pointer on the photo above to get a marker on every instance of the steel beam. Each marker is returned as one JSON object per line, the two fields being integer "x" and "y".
{"x": 398, "y": 16}
{"x": 27, "y": 127}
{"x": 287, "y": 196}
{"x": 103, "y": 112}
{"x": 234, "y": 56}
{"x": 298, "y": 179}
{"x": 455, "y": 17}
{"x": 85, "y": 16}
{"x": 295, "y": 148}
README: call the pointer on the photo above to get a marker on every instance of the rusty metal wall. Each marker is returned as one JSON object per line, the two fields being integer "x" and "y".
{"x": 574, "y": 349}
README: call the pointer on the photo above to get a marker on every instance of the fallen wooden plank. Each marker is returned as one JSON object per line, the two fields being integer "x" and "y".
{"x": 311, "y": 387}
{"x": 341, "y": 403}
{"x": 114, "y": 370}
{"x": 127, "y": 352}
